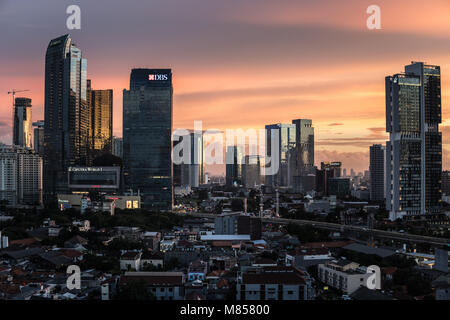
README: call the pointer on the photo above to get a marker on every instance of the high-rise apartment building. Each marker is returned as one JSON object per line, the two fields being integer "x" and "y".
{"x": 20, "y": 175}
{"x": 376, "y": 169}
{"x": 67, "y": 114}
{"x": 147, "y": 136}
{"x": 414, "y": 150}
{"x": 22, "y": 131}
{"x": 38, "y": 137}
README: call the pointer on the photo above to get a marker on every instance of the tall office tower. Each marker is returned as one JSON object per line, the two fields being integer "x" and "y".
{"x": 344, "y": 173}
{"x": 67, "y": 114}
{"x": 147, "y": 136}
{"x": 327, "y": 171}
{"x": 414, "y": 150}
{"x": 192, "y": 172}
{"x": 303, "y": 154}
{"x": 233, "y": 170}
{"x": 22, "y": 135}
{"x": 376, "y": 168}
{"x": 20, "y": 175}
{"x": 251, "y": 171}
{"x": 38, "y": 133}
{"x": 285, "y": 149}
{"x": 446, "y": 183}
{"x": 117, "y": 147}
{"x": 101, "y": 102}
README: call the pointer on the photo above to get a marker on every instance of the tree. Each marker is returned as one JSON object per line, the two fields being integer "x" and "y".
{"x": 134, "y": 290}
{"x": 237, "y": 205}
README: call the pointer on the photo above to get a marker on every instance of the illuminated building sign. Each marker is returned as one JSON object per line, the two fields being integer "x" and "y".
{"x": 158, "y": 77}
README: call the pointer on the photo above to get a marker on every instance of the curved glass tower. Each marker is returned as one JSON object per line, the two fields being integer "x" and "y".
{"x": 67, "y": 116}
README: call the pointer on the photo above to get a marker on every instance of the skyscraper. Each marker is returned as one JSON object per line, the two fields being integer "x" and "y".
{"x": 303, "y": 159}
{"x": 327, "y": 171}
{"x": 20, "y": 175}
{"x": 117, "y": 147}
{"x": 233, "y": 170}
{"x": 285, "y": 149}
{"x": 191, "y": 173}
{"x": 251, "y": 171}
{"x": 23, "y": 134}
{"x": 66, "y": 124}
{"x": 147, "y": 141}
{"x": 101, "y": 104}
{"x": 376, "y": 168}
{"x": 414, "y": 150}
{"x": 38, "y": 139}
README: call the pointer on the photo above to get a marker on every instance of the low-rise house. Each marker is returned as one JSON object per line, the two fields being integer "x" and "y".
{"x": 343, "y": 275}
{"x": 442, "y": 287}
{"x": 149, "y": 258}
{"x": 197, "y": 270}
{"x": 306, "y": 257}
{"x": 130, "y": 260}
{"x": 167, "y": 245}
{"x": 274, "y": 283}
{"x": 162, "y": 285}
{"x": 151, "y": 239}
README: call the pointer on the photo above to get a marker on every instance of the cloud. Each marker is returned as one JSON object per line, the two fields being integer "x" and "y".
{"x": 335, "y": 124}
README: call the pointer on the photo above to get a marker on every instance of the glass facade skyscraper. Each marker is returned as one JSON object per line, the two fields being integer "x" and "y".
{"x": 147, "y": 142}
{"x": 66, "y": 124}
{"x": 302, "y": 163}
{"x": 376, "y": 168}
{"x": 234, "y": 157}
{"x": 286, "y": 144}
{"x": 101, "y": 105}
{"x": 414, "y": 150}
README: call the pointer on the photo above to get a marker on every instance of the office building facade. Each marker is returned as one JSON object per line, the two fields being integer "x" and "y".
{"x": 302, "y": 163}
{"x": 117, "y": 147}
{"x": 192, "y": 172}
{"x": 251, "y": 171}
{"x": 147, "y": 136}
{"x": 376, "y": 169}
{"x": 101, "y": 105}
{"x": 285, "y": 153}
{"x": 233, "y": 170}
{"x": 38, "y": 137}
{"x": 414, "y": 150}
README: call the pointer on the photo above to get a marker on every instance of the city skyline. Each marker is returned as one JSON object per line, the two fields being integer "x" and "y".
{"x": 289, "y": 78}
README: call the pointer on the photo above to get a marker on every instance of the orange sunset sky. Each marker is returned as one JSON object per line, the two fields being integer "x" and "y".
{"x": 240, "y": 63}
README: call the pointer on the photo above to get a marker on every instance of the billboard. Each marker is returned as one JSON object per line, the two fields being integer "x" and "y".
{"x": 94, "y": 177}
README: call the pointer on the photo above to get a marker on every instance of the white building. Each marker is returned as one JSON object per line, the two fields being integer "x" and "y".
{"x": 274, "y": 283}
{"x": 163, "y": 285}
{"x": 20, "y": 175}
{"x": 344, "y": 275}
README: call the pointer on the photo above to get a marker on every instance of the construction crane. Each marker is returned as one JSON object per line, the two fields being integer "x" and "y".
{"x": 13, "y": 92}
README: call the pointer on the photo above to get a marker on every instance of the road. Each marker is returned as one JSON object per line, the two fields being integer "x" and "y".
{"x": 338, "y": 227}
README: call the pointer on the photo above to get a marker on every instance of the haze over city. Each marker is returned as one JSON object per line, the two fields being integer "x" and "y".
{"x": 238, "y": 65}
